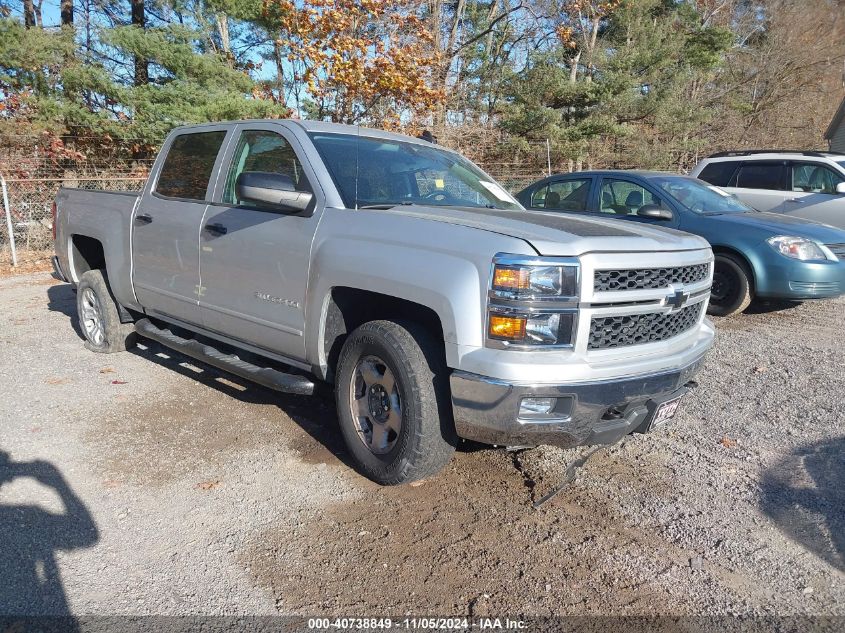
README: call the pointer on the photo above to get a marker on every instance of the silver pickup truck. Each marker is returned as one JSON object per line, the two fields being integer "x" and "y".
{"x": 294, "y": 252}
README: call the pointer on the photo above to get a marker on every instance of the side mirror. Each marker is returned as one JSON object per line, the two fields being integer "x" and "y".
{"x": 654, "y": 212}
{"x": 267, "y": 188}
{"x": 840, "y": 187}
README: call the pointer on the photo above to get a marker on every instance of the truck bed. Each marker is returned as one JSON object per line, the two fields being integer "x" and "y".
{"x": 105, "y": 216}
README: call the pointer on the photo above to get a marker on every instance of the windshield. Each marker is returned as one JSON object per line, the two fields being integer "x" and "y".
{"x": 374, "y": 172}
{"x": 700, "y": 197}
{"x": 841, "y": 163}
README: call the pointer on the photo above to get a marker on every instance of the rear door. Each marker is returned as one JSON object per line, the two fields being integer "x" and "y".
{"x": 813, "y": 193}
{"x": 165, "y": 233}
{"x": 760, "y": 184}
{"x": 254, "y": 262}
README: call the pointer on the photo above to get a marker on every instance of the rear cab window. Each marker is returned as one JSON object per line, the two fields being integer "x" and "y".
{"x": 187, "y": 168}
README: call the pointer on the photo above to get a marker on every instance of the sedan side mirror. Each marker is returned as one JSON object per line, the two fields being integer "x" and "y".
{"x": 840, "y": 187}
{"x": 654, "y": 212}
{"x": 267, "y": 188}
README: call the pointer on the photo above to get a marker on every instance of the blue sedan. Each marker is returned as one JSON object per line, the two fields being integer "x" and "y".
{"x": 757, "y": 254}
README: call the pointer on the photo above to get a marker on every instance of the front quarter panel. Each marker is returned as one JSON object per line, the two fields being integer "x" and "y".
{"x": 441, "y": 266}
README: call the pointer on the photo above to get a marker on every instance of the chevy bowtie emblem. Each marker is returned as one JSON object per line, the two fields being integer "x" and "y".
{"x": 677, "y": 299}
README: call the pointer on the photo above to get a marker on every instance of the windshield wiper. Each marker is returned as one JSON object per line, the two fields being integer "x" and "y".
{"x": 385, "y": 205}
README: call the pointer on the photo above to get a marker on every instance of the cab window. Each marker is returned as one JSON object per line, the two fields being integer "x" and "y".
{"x": 264, "y": 151}
{"x": 623, "y": 197}
{"x": 187, "y": 168}
{"x": 563, "y": 195}
{"x": 814, "y": 178}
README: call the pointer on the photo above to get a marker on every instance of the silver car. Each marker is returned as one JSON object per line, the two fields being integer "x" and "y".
{"x": 807, "y": 185}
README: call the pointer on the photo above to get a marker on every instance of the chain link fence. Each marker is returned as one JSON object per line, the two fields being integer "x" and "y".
{"x": 27, "y": 210}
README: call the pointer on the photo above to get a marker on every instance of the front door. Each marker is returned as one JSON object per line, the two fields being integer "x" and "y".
{"x": 165, "y": 226}
{"x": 254, "y": 262}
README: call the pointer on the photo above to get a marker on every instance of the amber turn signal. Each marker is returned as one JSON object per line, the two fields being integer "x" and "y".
{"x": 507, "y": 328}
{"x": 515, "y": 279}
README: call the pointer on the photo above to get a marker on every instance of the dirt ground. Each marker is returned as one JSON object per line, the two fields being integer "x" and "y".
{"x": 179, "y": 490}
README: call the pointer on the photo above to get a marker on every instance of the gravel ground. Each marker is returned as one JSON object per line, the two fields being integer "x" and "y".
{"x": 143, "y": 483}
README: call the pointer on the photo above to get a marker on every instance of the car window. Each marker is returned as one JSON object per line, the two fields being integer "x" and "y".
{"x": 760, "y": 176}
{"x": 719, "y": 173}
{"x": 623, "y": 197}
{"x": 188, "y": 165}
{"x": 265, "y": 151}
{"x": 814, "y": 178}
{"x": 563, "y": 195}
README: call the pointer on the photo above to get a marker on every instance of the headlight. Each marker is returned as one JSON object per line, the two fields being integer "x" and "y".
{"x": 533, "y": 301}
{"x": 797, "y": 248}
{"x": 517, "y": 281}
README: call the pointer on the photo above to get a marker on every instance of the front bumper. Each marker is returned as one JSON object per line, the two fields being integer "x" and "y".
{"x": 600, "y": 412}
{"x": 801, "y": 280}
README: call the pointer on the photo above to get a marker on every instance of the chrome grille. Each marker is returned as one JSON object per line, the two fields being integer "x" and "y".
{"x": 648, "y": 278}
{"x": 837, "y": 249}
{"x": 608, "y": 332}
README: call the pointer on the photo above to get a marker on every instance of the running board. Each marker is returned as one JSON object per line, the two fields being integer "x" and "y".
{"x": 264, "y": 376}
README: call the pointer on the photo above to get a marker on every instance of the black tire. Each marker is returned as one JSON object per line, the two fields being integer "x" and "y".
{"x": 426, "y": 439}
{"x": 111, "y": 336}
{"x": 732, "y": 290}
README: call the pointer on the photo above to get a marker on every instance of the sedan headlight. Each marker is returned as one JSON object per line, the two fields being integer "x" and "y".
{"x": 797, "y": 248}
{"x": 533, "y": 301}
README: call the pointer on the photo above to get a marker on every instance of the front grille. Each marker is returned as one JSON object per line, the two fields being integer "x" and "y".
{"x": 648, "y": 278}
{"x": 837, "y": 249}
{"x": 636, "y": 329}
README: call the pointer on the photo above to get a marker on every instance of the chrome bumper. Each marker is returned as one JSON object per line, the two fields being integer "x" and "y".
{"x": 487, "y": 410}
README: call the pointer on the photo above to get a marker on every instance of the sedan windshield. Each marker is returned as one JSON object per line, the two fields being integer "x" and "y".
{"x": 700, "y": 197}
{"x": 383, "y": 173}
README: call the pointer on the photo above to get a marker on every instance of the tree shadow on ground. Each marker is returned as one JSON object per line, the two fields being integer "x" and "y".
{"x": 804, "y": 493}
{"x": 30, "y": 580}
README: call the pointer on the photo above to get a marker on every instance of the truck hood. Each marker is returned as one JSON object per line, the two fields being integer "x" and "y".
{"x": 771, "y": 224}
{"x": 561, "y": 234}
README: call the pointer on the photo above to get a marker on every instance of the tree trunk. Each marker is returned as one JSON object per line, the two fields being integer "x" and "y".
{"x": 139, "y": 19}
{"x": 67, "y": 12}
{"x": 28, "y": 13}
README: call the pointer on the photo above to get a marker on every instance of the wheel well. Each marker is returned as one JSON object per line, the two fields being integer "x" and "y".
{"x": 350, "y": 307}
{"x": 86, "y": 254}
{"x": 726, "y": 250}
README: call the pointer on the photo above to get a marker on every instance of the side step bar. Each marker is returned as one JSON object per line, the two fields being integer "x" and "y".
{"x": 264, "y": 376}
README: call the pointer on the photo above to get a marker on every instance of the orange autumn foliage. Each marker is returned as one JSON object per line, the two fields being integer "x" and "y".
{"x": 359, "y": 60}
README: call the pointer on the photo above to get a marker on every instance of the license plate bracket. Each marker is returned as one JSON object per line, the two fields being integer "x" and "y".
{"x": 661, "y": 411}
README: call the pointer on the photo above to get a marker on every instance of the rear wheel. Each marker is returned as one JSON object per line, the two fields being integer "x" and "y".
{"x": 99, "y": 319}
{"x": 731, "y": 291}
{"x": 392, "y": 393}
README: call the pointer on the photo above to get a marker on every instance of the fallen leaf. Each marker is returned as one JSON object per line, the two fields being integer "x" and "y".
{"x": 107, "y": 370}
{"x": 118, "y": 382}
{"x": 760, "y": 369}
{"x": 35, "y": 429}
{"x": 727, "y": 442}
{"x": 55, "y": 380}
{"x": 111, "y": 483}
{"x": 207, "y": 485}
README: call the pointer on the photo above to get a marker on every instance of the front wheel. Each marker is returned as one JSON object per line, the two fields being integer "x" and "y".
{"x": 731, "y": 291}
{"x": 393, "y": 403}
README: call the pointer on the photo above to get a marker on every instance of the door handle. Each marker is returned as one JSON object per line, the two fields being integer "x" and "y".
{"x": 143, "y": 218}
{"x": 216, "y": 229}
{"x": 795, "y": 200}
